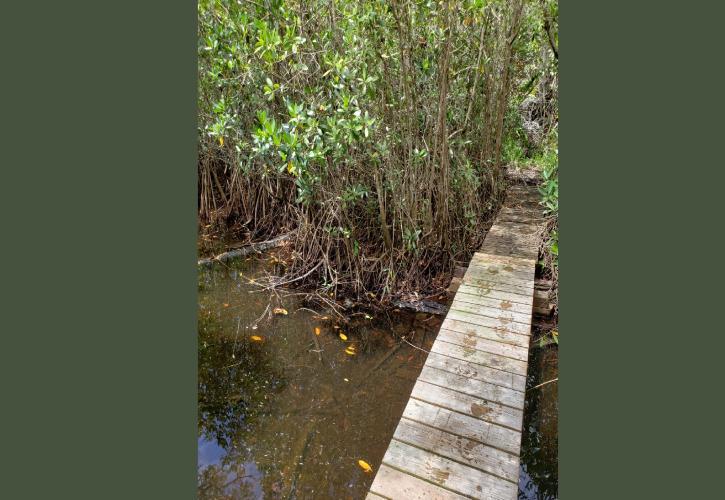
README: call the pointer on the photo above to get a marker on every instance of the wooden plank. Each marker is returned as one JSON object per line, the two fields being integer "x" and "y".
{"x": 531, "y": 214}
{"x": 527, "y": 290}
{"x": 373, "y": 496}
{"x": 479, "y": 372}
{"x": 497, "y": 241}
{"x": 480, "y": 357}
{"x": 472, "y": 453}
{"x": 483, "y": 390}
{"x": 526, "y": 229}
{"x": 447, "y": 473}
{"x": 506, "y": 245}
{"x": 493, "y": 294}
{"x": 485, "y": 332}
{"x": 512, "y": 215}
{"x": 526, "y": 283}
{"x": 515, "y": 262}
{"x": 472, "y": 406}
{"x": 511, "y": 236}
{"x": 463, "y": 425}
{"x": 474, "y": 342}
{"x": 503, "y": 305}
{"x": 502, "y": 323}
{"x": 525, "y": 270}
{"x": 487, "y": 274}
{"x": 396, "y": 484}
{"x": 492, "y": 312}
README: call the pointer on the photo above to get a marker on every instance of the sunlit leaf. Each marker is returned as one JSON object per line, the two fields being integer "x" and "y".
{"x": 226, "y": 305}
{"x": 365, "y": 466}
{"x": 350, "y": 351}
{"x": 343, "y": 336}
{"x": 317, "y": 330}
{"x": 279, "y": 310}
{"x": 256, "y": 338}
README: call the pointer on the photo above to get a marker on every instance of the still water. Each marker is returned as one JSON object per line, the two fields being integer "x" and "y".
{"x": 285, "y": 412}
{"x": 287, "y": 407}
{"x": 539, "y": 468}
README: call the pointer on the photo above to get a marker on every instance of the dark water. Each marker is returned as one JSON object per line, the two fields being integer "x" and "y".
{"x": 290, "y": 413}
{"x": 539, "y": 472}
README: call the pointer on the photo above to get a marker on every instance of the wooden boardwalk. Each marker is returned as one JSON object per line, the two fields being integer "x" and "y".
{"x": 460, "y": 434}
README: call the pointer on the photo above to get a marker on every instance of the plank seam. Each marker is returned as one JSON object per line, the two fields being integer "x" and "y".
{"x": 423, "y": 478}
{"x": 454, "y": 460}
{"x": 464, "y": 437}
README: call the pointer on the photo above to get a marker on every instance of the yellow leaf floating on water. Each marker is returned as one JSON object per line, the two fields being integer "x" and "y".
{"x": 279, "y": 310}
{"x": 256, "y": 338}
{"x": 365, "y": 466}
{"x": 343, "y": 336}
{"x": 317, "y": 330}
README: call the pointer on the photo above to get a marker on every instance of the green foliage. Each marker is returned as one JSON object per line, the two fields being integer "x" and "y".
{"x": 549, "y": 190}
{"x": 371, "y": 127}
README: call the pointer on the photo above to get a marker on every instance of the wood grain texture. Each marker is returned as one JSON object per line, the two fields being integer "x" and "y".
{"x": 396, "y": 484}
{"x": 448, "y": 474}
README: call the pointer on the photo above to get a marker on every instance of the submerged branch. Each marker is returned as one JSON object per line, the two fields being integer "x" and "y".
{"x": 246, "y": 250}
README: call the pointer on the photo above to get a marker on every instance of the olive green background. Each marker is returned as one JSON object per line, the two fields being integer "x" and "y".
{"x": 98, "y": 198}
{"x": 641, "y": 273}
{"x": 99, "y": 250}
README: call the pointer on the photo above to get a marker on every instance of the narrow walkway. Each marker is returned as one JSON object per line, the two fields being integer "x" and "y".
{"x": 460, "y": 434}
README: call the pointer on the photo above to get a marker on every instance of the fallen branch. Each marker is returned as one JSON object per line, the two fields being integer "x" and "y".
{"x": 547, "y": 382}
{"x": 425, "y": 306}
{"x": 260, "y": 246}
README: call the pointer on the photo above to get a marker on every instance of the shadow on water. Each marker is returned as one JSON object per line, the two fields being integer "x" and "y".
{"x": 287, "y": 413}
{"x": 539, "y": 469}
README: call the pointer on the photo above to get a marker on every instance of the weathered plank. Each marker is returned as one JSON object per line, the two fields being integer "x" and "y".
{"x": 463, "y": 425}
{"x": 491, "y": 293}
{"x": 485, "y": 332}
{"x": 479, "y": 372}
{"x": 525, "y": 285}
{"x": 492, "y": 312}
{"x": 504, "y": 305}
{"x": 396, "y": 484}
{"x": 484, "y": 390}
{"x": 373, "y": 496}
{"x": 487, "y": 284}
{"x": 502, "y": 323}
{"x": 472, "y": 453}
{"x": 480, "y": 357}
{"x": 470, "y": 405}
{"x": 516, "y": 263}
{"x": 447, "y": 473}
{"x": 491, "y": 346}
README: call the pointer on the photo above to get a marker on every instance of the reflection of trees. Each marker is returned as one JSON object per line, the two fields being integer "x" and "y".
{"x": 539, "y": 449}
{"x": 216, "y": 482}
{"x": 235, "y": 379}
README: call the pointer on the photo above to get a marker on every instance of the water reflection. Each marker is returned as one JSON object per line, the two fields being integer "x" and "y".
{"x": 539, "y": 473}
{"x": 291, "y": 414}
